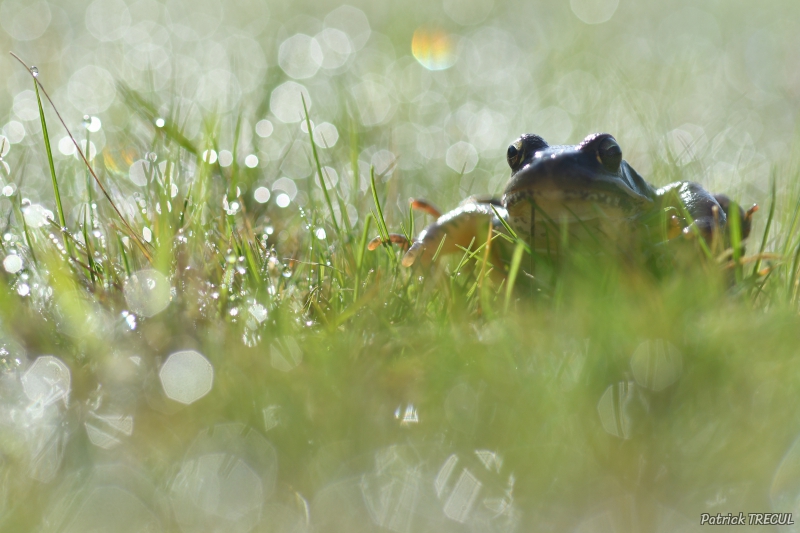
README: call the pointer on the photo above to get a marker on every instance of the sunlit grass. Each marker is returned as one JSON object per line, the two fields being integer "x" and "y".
{"x": 564, "y": 390}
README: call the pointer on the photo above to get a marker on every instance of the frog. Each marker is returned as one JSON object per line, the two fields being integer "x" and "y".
{"x": 584, "y": 192}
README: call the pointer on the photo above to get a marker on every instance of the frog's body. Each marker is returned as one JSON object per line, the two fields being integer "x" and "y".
{"x": 582, "y": 192}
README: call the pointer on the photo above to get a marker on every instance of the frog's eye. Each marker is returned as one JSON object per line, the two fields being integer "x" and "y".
{"x": 609, "y": 154}
{"x": 514, "y": 154}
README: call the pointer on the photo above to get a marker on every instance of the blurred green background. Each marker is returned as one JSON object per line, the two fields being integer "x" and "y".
{"x": 264, "y": 373}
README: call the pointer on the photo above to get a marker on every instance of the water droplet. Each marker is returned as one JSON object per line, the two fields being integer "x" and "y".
{"x": 152, "y": 156}
{"x": 35, "y": 71}
{"x": 87, "y": 120}
{"x": 160, "y": 122}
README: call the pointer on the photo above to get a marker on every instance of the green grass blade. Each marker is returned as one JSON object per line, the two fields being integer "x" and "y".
{"x": 513, "y": 271}
{"x": 59, "y": 206}
{"x": 322, "y": 183}
{"x": 773, "y": 195}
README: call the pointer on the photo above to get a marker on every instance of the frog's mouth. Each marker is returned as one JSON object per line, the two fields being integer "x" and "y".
{"x": 566, "y": 190}
{"x": 548, "y": 196}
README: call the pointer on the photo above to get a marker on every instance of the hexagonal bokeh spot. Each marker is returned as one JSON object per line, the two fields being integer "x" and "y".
{"x": 186, "y": 376}
{"x": 47, "y": 380}
{"x": 147, "y": 292}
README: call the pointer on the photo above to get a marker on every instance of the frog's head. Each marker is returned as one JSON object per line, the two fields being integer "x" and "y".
{"x": 573, "y": 184}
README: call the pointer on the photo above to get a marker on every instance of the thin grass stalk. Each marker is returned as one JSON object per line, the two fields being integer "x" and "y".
{"x": 768, "y": 227}
{"x": 139, "y": 240}
{"x": 319, "y": 169}
{"x": 513, "y": 271}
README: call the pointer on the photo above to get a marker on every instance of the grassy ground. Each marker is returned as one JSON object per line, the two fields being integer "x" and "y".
{"x": 352, "y": 394}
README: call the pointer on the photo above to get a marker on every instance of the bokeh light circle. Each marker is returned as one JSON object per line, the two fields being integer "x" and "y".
{"x": 468, "y": 12}
{"x": 352, "y": 22}
{"x": 107, "y": 20}
{"x": 462, "y": 157}
{"x": 147, "y": 292}
{"x": 300, "y": 56}
{"x": 186, "y": 376}
{"x": 434, "y": 48}
{"x": 92, "y": 89}
{"x": 326, "y": 135}
{"x": 594, "y": 11}
{"x": 286, "y": 102}
{"x": 25, "y": 20}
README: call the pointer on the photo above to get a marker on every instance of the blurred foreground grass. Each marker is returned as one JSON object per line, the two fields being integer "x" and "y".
{"x": 225, "y": 354}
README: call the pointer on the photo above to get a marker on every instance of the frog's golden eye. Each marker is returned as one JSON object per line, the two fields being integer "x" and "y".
{"x": 609, "y": 154}
{"x": 514, "y": 154}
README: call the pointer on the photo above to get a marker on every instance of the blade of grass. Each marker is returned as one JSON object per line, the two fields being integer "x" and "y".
{"x": 315, "y": 155}
{"x": 59, "y": 206}
{"x": 513, "y": 271}
{"x": 770, "y": 217}
{"x": 139, "y": 240}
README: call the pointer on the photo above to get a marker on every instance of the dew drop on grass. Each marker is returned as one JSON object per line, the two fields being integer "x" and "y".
{"x": 94, "y": 125}
{"x": 160, "y": 122}
{"x": 35, "y": 71}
